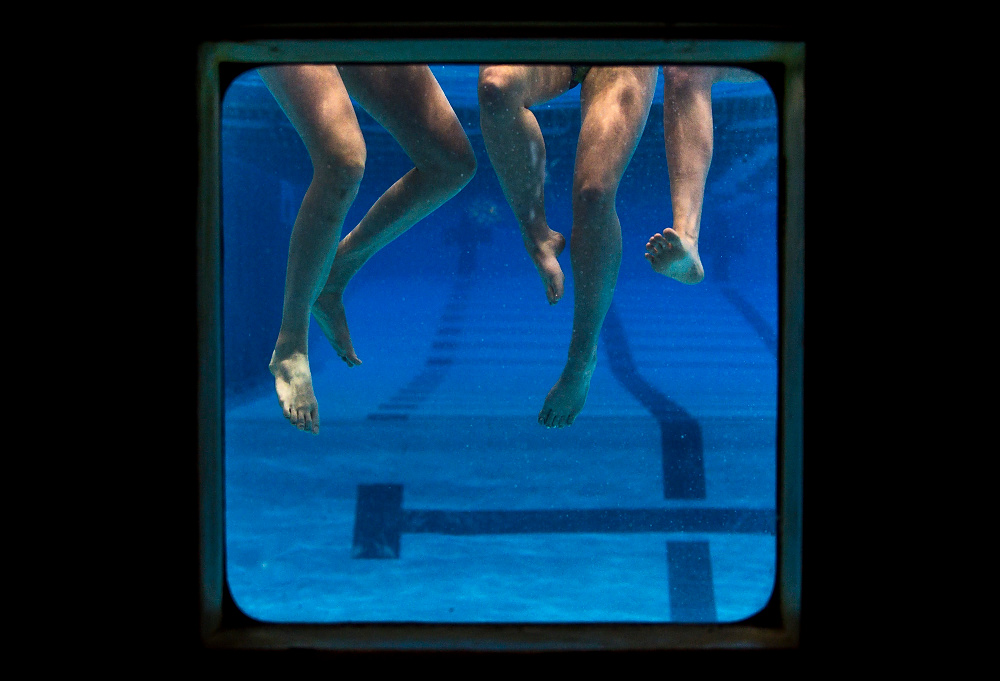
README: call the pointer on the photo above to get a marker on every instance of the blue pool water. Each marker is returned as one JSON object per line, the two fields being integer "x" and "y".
{"x": 431, "y": 494}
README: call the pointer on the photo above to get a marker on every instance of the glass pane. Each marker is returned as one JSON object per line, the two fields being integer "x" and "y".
{"x": 431, "y": 493}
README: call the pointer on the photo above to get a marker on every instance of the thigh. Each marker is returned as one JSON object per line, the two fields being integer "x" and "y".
{"x": 408, "y": 102}
{"x": 316, "y": 102}
{"x": 529, "y": 84}
{"x": 614, "y": 104}
{"x": 693, "y": 77}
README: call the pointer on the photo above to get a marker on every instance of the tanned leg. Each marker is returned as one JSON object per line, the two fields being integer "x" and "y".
{"x": 409, "y": 103}
{"x": 615, "y": 103}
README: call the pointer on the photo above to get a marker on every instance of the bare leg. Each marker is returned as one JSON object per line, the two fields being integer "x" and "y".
{"x": 615, "y": 104}
{"x": 517, "y": 152}
{"x": 688, "y": 134}
{"x": 318, "y": 106}
{"x": 410, "y": 104}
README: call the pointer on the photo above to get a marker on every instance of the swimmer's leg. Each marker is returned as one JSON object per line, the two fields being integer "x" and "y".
{"x": 675, "y": 256}
{"x": 409, "y": 103}
{"x": 516, "y": 148}
{"x": 567, "y": 397}
{"x": 689, "y": 138}
{"x": 615, "y": 104}
{"x": 318, "y": 106}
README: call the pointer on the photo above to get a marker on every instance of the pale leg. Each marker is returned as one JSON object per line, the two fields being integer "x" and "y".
{"x": 318, "y": 106}
{"x": 516, "y": 148}
{"x": 688, "y": 138}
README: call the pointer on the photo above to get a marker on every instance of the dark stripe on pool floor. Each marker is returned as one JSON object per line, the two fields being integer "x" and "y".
{"x": 689, "y": 574}
{"x": 680, "y": 435}
{"x": 380, "y": 520}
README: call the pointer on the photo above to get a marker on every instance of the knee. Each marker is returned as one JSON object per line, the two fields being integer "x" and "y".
{"x": 593, "y": 196}
{"x": 340, "y": 171}
{"x": 451, "y": 164}
{"x": 497, "y": 91}
{"x": 461, "y": 163}
{"x": 465, "y": 166}
{"x": 677, "y": 77}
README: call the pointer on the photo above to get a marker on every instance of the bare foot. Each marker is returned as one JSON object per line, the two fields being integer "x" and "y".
{"x": 545, "y": 255}
{"x": 568, "y": 395}
{"x": 293, "y": 383}
{"x": 329, "y": 312}
{"x": 675, "y": 256}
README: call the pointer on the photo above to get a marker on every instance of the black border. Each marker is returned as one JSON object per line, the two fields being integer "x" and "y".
{"x": 175, "y": 626}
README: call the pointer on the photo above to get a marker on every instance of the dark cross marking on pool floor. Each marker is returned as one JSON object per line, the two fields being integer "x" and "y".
{"x": 380, "y": 521}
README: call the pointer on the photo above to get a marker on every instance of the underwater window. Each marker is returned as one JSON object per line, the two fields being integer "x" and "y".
{"x": 453, "y": 459}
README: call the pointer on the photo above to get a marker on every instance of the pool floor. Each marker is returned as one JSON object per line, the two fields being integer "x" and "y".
{"x": 431, "y": 494}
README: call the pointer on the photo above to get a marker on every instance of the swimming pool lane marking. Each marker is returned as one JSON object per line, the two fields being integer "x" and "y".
{"x": 689, "y": 565}
{"x": 409, "y": 398}
{"x": 380, "y": 521}
{"x": 689, "y": 574}
{"x": 681, "y": 444}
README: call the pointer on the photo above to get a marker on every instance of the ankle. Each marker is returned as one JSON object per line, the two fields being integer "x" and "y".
{"x": 287, "y": 348}
{"x": 540, "y": 240}
{"x": 330, "y": 294}
{"x": 581, "y": 362}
